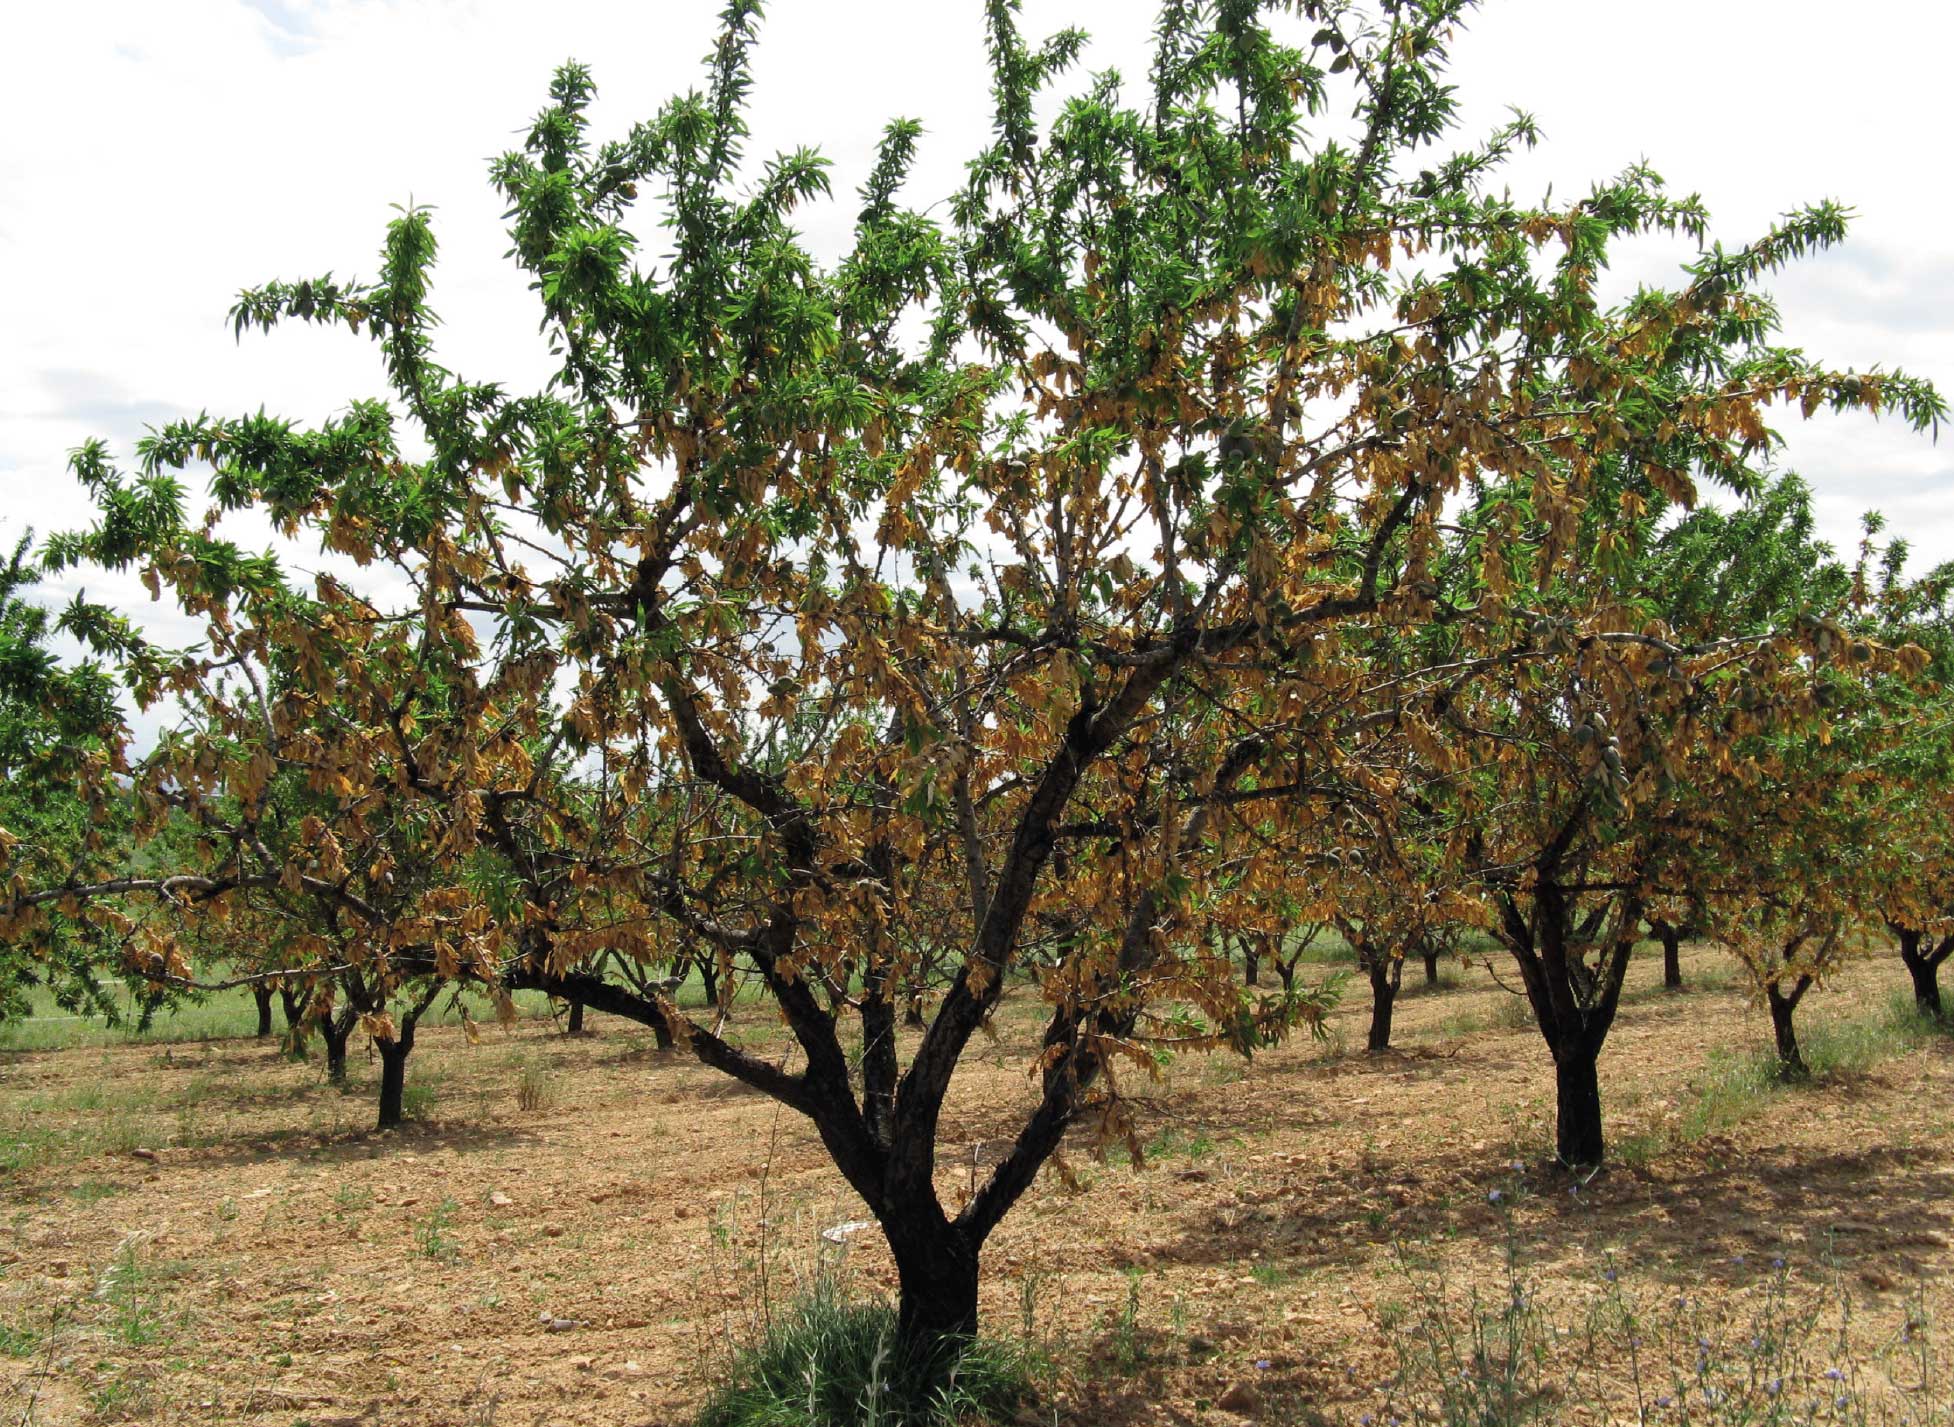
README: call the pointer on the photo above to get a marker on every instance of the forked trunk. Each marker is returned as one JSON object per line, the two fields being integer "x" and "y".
{"x": 1926, "y": 987}
{"x": 1791, "y": 1064}
{"x": 262, "y": 995}
{"x": 1384, "y": 973}
{"x": 1923, "y": 969}
{"x": 335, "y": 1034}
{"x": 1577, "y": 1105}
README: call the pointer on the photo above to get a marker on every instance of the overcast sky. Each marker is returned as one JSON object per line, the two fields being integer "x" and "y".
{"x": 160, "y": 154}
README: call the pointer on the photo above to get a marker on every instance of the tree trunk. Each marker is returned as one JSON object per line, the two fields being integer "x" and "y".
{"x": 393, "y": 1079}
{"x": 1251, "y": 963}
{"x": 1923, "y": 969}
{"x": 261, "y": 993}
{"x": 1672, "y": 965}
{"x": 575, "y": 1025}
{"x": 1791, "y": 1064}
{"x": 936, "y": 1272}
{"x": 335, "y": 1036}
{"x": 1431, "y": 966}
{"x": 296, "y": 1033}
{"x": 1577, "y": 1108}
{"x": 1384, "y": 973}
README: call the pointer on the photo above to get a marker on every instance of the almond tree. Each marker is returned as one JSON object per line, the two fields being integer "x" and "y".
{"x": 1044, "y": 549}
{"x": 57, "y": 724}
{"x": 1794, "y": 886}
{"x": 1912, "y": 834}
{"x": 1592, "y": 772}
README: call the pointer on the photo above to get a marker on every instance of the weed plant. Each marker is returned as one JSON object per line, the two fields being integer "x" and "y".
{"x": 1784, "y": 1352}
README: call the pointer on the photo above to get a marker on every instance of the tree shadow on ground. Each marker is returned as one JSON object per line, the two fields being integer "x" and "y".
{"x": 1707, "y": 1211}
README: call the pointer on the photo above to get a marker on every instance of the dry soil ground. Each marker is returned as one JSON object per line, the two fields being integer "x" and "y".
{"x": 207, "y": 1233}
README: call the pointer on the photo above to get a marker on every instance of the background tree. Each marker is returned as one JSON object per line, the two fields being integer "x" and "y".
{"x": 60, "y": 809}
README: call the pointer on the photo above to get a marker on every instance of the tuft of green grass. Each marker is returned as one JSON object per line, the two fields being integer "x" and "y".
{"x": 1775, "y": 1354}
{"x": 828, "y": 1361}
{"x": 1734, "y": 1085}
{"x": 418, "y": 1095}
{"x": 18, "y": 1342}
{"x": 134, "y": 1291}
{"x": 1738, "y": 1084}
{"x": 431, "y": 1239}
{"x": 1171, "y": 1142}
{"x": 535, "y": 1093}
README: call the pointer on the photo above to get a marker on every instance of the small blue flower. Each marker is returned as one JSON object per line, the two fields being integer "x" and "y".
{"x": 1493, "y": 1196}
{"x": 1263, "y": 1364}
{"x": 1834, "y": 1375}
{"x": 1778, "y": 1262}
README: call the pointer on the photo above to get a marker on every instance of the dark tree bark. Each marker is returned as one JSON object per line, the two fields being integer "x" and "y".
{"x": 393, "y": 1078}
{"x": 1926, "y": 987}
{"x": 1784, "y": 1004}
{"x": 393, "y": 1058}
{"x": 1430, "y": 955}
{"x": 1671, "y": 937}
{"x": 1578, "y": 1139}
{"x": 709, "y": 978}
{"x": 936, "y": 1273}
{"x": 261, "y": 993}
{"x": 1386, "y": 974}
{"x": 1923, "y": 959}
{"x": 1251, "y": 961}
{"x": 574, "y": 1027}
{"x": 335, "y": 1031}
{"x": 1574, "y": 1000}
